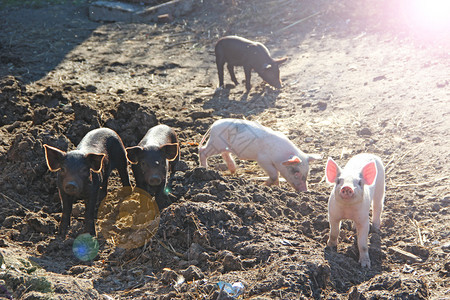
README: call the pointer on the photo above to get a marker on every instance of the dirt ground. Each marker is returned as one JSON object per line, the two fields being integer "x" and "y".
{"x": 360, "y": 78}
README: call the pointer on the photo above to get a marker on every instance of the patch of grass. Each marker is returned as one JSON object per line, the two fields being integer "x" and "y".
{"x": 37, "y": 3}
{"x": 39, "y": 284}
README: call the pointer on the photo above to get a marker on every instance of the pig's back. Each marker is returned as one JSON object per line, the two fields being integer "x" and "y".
{"x": 241, "y": 137}
{"x": 239, "y": 128}
{"x": 158, "y": 135}
{"x": 238, "y": 51}
{"x": 98, "y": 141}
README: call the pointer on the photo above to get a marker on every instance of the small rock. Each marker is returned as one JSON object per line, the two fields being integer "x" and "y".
{"x": 78, "y": 269}
{"x": 192, "y": 273}
{"x": 91, "y": 88}
{"x": 194, "y": 251}
{"x": 355, "y": 294}
{"x": 304, "y": 105}
{"x": 201, "y": 114}
{"x": 364, "y": 131}
{"x": 417, "y": 139}
{"x": 381, "y": 77}
{"x": 221, "y": 186}
{"x": 321, "y": 105}
{"x": 305, "y": 209}
{"x": 231, "y": 262}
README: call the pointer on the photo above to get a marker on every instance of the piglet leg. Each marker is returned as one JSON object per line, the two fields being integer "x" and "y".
{"x": 271, "y": 171}
{"x": 377, "y": 209}
{"x": 231, "y": 165}
{"x": 362, "y": 230}
{"x": 220, "y": 64}
{"x": 248, "y": 76}
{"x": 232, "y": 75}
{"x": 335, "y": 225}
{"x": 89, "y": 218}
{"x": 67, "y": 202}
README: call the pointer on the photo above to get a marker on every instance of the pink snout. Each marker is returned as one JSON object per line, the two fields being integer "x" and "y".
{"x": 301, "y": 187}
{"x": 346, "y": 192}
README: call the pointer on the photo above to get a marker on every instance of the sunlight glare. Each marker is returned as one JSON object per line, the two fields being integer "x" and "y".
{"x": 431, "y": 15}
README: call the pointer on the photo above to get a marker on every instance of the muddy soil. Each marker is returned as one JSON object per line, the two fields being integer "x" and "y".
{"x": 359, "y": 79}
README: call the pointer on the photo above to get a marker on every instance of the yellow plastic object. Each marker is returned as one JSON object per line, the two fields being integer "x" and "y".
{"x": 128, "y": 218}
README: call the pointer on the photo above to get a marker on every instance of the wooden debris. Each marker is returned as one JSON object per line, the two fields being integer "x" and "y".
{"x": 405, "y": 255}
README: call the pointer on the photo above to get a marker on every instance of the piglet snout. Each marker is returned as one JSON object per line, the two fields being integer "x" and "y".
{"x": 71, "y": 188}
{"x": 301, "y": 186}
{"x": 346, "y": 192}
{"x": 155, "y": 180}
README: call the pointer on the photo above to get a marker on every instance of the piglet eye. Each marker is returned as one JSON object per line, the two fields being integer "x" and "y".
{"x": 339, "y": 181}
{"x": 360, "y": 183}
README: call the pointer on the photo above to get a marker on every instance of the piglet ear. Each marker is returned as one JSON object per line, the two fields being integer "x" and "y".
{"x": 332, "y": 170}
{"x": 280, "y": 60}
{"x": 369, "y": 173}
{"x": 292, "y": 161}
{"x": 170, "y": 150}
{"x": 133, "y": 154}
{"x": 54, "y": 157}
{"x": 95, "y": 161}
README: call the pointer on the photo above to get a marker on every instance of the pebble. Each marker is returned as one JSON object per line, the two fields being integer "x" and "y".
{"x": 364, "y": 131}
{"x": 192, "y": 273}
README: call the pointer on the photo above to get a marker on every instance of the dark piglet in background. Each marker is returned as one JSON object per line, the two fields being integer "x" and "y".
{"x": 83, "y": 173}
{"x": 238, "y": 51}
{"x": 156, "y": 153}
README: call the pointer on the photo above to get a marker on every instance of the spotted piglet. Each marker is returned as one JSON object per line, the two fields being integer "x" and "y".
{"x": 273, "y": 151}
{"x": 356, "y": 187}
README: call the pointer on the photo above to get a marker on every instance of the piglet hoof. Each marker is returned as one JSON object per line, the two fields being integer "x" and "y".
{"x": 375, "y": 229}
{"x": 270, "y": 182}
{"x": 331, "y": 248}
{"x": 365, "y": 262}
